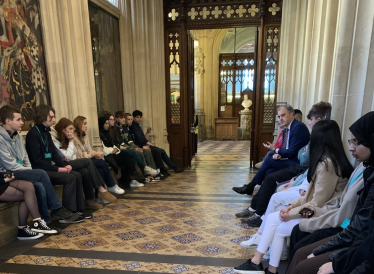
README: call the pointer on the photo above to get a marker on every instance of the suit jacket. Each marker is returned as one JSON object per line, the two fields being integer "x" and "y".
{"x": 298, "y": 138}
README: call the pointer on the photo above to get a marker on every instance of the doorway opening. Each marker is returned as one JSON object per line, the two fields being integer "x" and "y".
{"x": 224, "y": 82}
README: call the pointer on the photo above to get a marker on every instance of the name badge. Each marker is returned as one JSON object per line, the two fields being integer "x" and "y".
{"x": 19, "y": 162}
{"x": 48, "y": 155}
{"x": 345, "y": 223}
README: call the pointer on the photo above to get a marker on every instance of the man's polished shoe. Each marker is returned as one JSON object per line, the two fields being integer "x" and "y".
{"x": 240, "y": 189}
{"x": 246, "y": 189}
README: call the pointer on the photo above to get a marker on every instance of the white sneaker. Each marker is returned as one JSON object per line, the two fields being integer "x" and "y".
{"x": 258, "y": 165}
{"x": 252, "y": 243}
{"x": 284, "y": 256}
{"x": 102, "y": 201}
{"x": 149, "y": 171}
{"x": 135, "y": 183}
{"x": 116, "y": 189}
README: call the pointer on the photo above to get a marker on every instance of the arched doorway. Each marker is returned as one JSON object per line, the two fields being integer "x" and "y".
{"x": 183, "y": 16}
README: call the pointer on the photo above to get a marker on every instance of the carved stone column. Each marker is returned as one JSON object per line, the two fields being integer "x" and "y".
{"x": 307, "y": 52}
{"x": 199, "y": 93}
{"x": 68, "y": 53}
{"x": 353, "y": 86}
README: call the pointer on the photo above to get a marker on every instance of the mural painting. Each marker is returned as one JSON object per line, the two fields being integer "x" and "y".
{"x": 23, "y": 78}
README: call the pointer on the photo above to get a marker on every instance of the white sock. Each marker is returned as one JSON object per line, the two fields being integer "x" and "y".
{"x": 251, "y": 209}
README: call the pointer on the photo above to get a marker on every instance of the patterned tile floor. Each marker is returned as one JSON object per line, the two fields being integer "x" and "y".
{"x": 186, "y": 217}
{"x": 210, "y": 147}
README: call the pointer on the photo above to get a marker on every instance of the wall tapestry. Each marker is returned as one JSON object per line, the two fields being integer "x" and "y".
{"x": 23, "y": 77}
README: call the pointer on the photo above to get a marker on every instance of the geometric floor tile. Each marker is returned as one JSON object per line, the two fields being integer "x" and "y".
{"x": 212, "y": 250}
{"x": 150, "y": 246}
{"x": 190, "y": 214}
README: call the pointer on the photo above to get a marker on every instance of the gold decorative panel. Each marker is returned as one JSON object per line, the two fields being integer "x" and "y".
{"x": 174, "y": 45}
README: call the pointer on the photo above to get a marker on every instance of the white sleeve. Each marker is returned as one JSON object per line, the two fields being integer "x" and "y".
{"x": 107, "y": 150}
{"x": 69, "y": 153}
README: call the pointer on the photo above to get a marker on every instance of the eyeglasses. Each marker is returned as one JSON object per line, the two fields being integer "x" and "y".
{"x": 354, "y": 142}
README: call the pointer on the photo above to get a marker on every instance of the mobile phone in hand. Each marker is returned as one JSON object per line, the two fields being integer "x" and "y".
{"x": 307, "y": 211}
{"x": 9, "y": 174}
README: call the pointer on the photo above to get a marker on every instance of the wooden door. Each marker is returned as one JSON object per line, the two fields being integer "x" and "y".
{"x": 191, "y": 102}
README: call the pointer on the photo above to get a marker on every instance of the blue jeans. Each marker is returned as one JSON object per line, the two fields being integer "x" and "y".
{"x": 104, "y": 171}
{"x": 45, "y": 193}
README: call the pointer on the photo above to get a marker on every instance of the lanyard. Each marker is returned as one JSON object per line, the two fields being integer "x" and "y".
{"x": 14, "y": 150}
{"x": 85, "y": 147}
{"x": 44, "y": 142}
{"x": 355, "y": 178}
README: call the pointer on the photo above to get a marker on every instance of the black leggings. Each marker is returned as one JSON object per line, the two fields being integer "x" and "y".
{"x": 23, "y": 192}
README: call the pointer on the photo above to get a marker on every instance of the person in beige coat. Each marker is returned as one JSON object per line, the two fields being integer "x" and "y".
{"x": 328, "y": 171}
{"x": 331, "y": 218}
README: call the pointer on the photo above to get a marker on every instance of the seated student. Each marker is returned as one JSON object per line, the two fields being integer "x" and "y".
{"x": 14, "y": 157}
{"x": 350, "y": 250}
{"x": 84, "y": 150}
{"x": 65, "y": 144}
{"x": 22, "y": 191}
{"x": 43, "y": 154}
{"x": 295, "y": 136}
{"x": 262, "y": 197}
{"x": 129, "y": 140}
{"x": 328, "y": 172}
{"x": 332, "y": 215}
{"x": 115, "y": 156}
{"x": 121, "y": 137}
{"x": 279, "y": 201}
{"x": 141, "y": 141}
{"x": 298, "y": 115}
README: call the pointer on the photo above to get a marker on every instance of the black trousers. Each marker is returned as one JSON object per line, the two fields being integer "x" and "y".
{"x": 156, "y": 154}
{"x": 72, "y": 195}
{"x": 261, "y": 200}
{"x": 91, "y": 178}
{"x": 300, "y": 239}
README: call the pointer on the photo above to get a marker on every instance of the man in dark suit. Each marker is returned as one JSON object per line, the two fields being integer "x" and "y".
{"x": 295, "y": 136}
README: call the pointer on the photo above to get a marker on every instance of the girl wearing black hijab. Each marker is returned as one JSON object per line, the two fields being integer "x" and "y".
{"x": 114, "y": 156}
{"x": 352, "y": 250}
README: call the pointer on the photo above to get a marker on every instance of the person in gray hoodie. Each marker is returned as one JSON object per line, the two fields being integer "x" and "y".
{"x": 14, "y": 158}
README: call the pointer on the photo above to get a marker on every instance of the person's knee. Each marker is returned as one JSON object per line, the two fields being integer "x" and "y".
{"x": 283, "y": 230}
{"x": 28, "y": 186}
{"x": 299, "y": 269}
{"x": 70, "y": 179}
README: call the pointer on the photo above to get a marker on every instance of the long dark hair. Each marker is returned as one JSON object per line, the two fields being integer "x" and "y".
{"x": 326, "y": 142}
{"x": 112, "y": 129}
